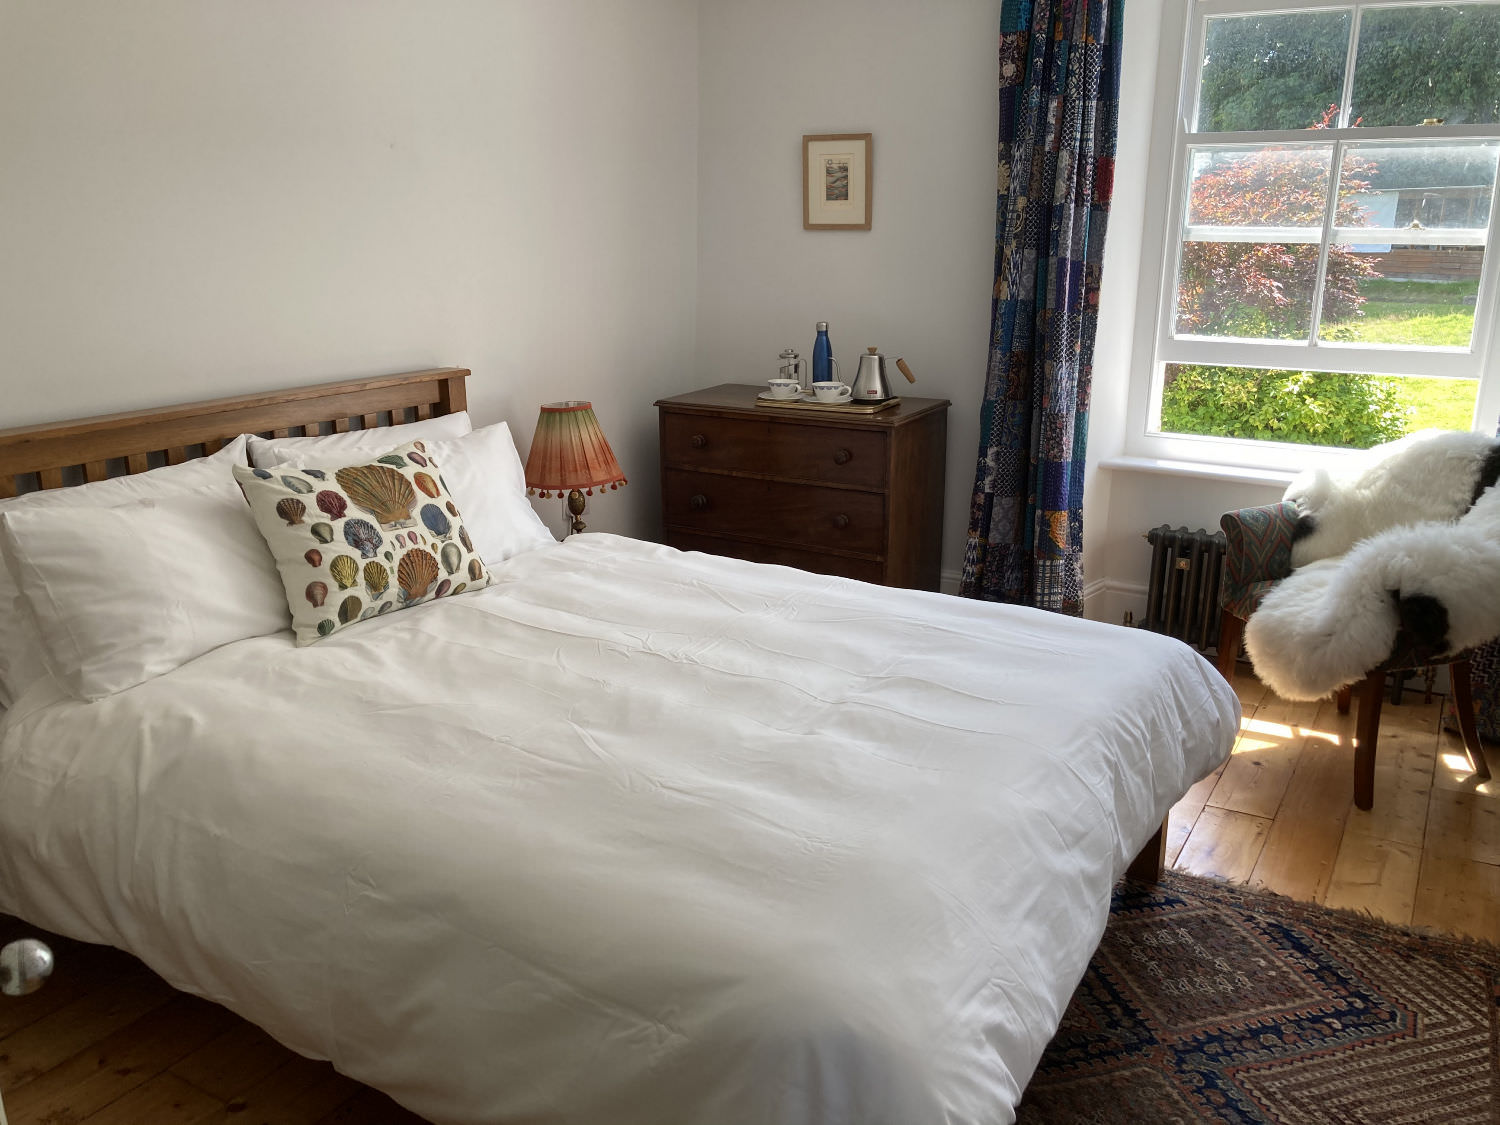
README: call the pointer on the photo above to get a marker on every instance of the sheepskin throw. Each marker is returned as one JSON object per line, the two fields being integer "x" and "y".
{"x": 1405, "y": 541}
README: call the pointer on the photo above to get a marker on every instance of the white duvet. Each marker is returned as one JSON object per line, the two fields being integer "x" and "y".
{"x": 633, "y": 836}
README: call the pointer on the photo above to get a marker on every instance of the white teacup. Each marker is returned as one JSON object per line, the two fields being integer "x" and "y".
{"x": 784, "y": 388}
{"x": 832, "y": 391}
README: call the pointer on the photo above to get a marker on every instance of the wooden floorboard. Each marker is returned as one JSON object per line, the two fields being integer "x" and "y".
{"x": 1303, "y": 844}
{"x": 1265, "y": 758}
{"x": 164, "y": 1100}
{"x": 1376, "y": 876}
{"x": 1458, "y": 895}
{"x": 108, "y": 1043}
{"x": 56, "y": 1038}
{"x": 1224, "y": 844}
{"x": 1427, "y": 854}
{"x": 118, "y": 1063}
{"x": 232, "y": 1063}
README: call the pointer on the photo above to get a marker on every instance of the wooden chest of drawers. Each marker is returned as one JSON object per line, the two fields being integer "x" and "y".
{"x": 860, "y": 495}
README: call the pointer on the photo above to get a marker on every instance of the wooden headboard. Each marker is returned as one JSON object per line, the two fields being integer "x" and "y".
{"x": 90, "y": 449}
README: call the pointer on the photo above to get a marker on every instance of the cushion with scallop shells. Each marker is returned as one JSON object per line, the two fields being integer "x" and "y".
{"x": 390, "y": 537}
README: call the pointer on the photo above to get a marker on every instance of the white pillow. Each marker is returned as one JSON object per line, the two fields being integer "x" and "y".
{"x": 362, "y": 540}
{"x": 21, "y": 661}
{"x": 334, "y": 451}
{"x": 119, "y": 595}
{"x": 483, "y": 471}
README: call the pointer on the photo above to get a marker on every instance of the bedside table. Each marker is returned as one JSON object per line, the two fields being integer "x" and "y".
{"x": 858, "y": 495}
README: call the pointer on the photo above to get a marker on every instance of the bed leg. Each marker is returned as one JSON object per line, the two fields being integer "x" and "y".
{"x": 1148, "y": 866}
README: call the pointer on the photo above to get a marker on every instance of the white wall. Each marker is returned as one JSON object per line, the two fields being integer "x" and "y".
{"x": 922, "y": 79}
{"x": 207, "y": 197}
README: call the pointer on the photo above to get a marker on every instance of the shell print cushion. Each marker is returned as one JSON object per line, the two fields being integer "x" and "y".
{"x": 362, "y": 540}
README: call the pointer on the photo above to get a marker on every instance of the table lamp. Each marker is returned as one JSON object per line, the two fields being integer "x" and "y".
{"x": 569, "y": 454}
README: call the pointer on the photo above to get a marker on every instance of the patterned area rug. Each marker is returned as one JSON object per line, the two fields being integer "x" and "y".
{"x": 1210, "y": 1003}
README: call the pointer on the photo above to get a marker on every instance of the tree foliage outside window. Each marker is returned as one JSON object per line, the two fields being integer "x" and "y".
{"x": 1298, "y": 407}
{"x": 1271, "y": 72}
{"x": 1435, "y": 61}
{"x": 1252, "y": 289}
{"x": 1415, "y": 63}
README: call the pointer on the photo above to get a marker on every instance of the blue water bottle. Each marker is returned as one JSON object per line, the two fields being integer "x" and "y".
{"x": 824, "y": 366}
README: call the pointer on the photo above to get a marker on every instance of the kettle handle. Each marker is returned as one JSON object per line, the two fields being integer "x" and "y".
{"x": 901, "y": 367}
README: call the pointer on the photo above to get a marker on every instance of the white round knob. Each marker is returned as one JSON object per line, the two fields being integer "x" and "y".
{"x": 24, "y": 966}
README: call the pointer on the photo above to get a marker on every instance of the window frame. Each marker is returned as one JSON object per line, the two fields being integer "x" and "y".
{"x": 1173, "y": 140}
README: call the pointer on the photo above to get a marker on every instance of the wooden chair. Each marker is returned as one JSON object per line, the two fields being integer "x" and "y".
{"x": 1257, "y": 555}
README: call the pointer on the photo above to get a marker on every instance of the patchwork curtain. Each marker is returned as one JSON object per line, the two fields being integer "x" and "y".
{"x": 1059, "y": 107}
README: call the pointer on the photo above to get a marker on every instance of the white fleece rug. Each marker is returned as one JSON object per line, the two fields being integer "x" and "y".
{"x": 1411, "y": 530}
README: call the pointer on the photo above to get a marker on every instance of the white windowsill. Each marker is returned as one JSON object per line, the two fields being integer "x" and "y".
{"x": 1237, "y": 474}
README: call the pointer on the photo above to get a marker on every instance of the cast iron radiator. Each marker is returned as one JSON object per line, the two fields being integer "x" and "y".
{"x": 1183, "y": 598}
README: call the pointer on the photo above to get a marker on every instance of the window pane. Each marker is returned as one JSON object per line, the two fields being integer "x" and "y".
{"x": 1248, "y": 290}
{"x": 1418, "y": 186}
{"x": 1261, "y": 187}
{"x": 1310, "y": 407}
{"x": 1250, "y": 254}
{"x": 1417, "y": 63}
{"x": 1394, "y": 294}
{"x": 1272, "y": 72}
{"x": 1413, "y": 279}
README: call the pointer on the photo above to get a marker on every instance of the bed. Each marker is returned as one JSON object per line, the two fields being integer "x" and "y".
{"x": 630, "y": 835}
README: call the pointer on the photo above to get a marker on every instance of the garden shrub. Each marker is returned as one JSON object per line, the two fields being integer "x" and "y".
{"x": 1303, "y": 407}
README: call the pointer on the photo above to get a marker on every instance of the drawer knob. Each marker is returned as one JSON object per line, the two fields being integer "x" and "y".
{"x": 698, "y": 502}
{"x": 698, "y": 441}
{"x": 842, "y": 457}
{"x": 841, "y": 521}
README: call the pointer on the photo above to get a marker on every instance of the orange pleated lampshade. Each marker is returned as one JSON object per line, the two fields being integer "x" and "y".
{"x": 569, "y": 451}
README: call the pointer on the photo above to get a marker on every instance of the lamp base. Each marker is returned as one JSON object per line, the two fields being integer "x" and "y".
{"x": 575, "y": 509}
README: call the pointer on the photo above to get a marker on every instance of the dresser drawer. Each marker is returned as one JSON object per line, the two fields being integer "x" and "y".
{"x": 837, "y": 454}
{"x": 798, "y": 515}
{"x": 866, "y": 570}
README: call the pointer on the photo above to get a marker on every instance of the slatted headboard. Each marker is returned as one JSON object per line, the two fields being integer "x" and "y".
{"x": 89, "y": 449}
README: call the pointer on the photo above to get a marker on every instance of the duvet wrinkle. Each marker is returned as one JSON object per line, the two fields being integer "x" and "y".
{"x": 603, "y": 757}
{"x": 649, "y": 645}
{"x": 553, "y": 760}
{"x": 605, "y": 1003}
{"x": 676, "y": 657}
{"x": 743, "y": 813}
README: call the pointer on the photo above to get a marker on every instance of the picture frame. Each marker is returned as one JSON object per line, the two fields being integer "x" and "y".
{"x": 836, "y": 181}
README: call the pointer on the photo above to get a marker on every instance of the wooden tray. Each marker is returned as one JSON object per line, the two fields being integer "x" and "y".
{"x": 831, "y": 407}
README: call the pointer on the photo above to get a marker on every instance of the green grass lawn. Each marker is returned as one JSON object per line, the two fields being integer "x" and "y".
{"x": 1432, "y": 325}
{"x": 1438, "y": 404}
{"x": 1433, "y": 313}
{"x": 1389, "y": 289}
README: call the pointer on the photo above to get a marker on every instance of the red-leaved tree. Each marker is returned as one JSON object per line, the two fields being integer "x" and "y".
{"x": 1265, "y": 289}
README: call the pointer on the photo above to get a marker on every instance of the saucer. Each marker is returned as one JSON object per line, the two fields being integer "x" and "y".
{"x": 800, "y": 396}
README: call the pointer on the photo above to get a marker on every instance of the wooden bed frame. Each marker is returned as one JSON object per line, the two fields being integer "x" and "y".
{"x": 54, "y": 455}
{"x": 59, "y": 454}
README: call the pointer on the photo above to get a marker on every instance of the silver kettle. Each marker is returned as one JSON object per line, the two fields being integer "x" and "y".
{"x": 871, "y": 383}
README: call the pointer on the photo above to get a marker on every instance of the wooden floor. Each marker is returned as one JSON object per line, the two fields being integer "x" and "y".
{"x": 107, "y": 1043}
{"x": 1280, "y": 814}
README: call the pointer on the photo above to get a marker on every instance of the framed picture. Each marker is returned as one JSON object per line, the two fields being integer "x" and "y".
{"x": 836, "y": 181}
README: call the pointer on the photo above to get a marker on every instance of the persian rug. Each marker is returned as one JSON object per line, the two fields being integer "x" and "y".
{"x": 1213, "y": 1003}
